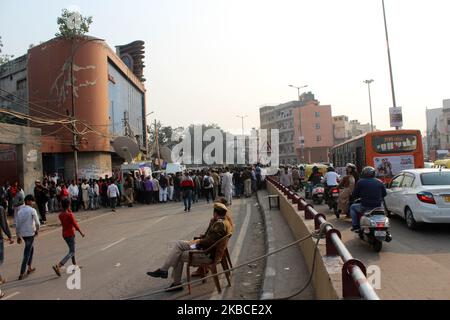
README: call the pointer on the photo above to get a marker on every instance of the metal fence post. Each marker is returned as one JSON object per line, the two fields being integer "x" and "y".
{"x": 330, "y": 247}
{"x": 308, "y": 214}
{"x": 349, "y": 287}
{"x": 317, "y": 222}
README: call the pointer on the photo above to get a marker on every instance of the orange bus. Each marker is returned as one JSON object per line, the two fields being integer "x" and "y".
{"x": 389, "y": 152}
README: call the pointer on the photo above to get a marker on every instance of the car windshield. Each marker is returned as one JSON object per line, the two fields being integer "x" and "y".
{"x": 435, "y": 179}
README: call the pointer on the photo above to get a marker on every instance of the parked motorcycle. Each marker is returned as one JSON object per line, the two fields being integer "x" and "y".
{"x": 375, "y": 226}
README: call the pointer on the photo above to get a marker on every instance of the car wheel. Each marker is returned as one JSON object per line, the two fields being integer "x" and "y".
{"x": 410, "y": 221}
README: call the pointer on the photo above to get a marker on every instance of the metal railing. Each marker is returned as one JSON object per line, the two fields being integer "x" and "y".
{"x": 354, "y": 276}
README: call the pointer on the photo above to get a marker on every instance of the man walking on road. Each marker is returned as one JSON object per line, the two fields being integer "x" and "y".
{"x": 227, "y": 185}
{"x": 216, "y": 179}
{"x": 113, "y": 194}
{"x": 27, "y": 228}
{"x": 208, "y": 185}
{"x": 69, "y": 225}
{"x": 187, "y": 187}
{"x": 3, "y": 228}
{"x": 247, "y": 177}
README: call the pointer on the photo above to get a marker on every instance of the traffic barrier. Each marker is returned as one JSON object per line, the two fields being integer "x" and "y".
{"x": 354, "y": 276}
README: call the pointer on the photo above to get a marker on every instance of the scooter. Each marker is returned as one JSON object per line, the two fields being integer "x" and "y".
{"x": 374, "y": 226}
{"x": 332, "y": 199}
{"x": 318, "y": 194}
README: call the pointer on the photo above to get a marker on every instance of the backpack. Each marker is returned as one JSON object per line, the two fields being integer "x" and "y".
{"x": 206, "y": 182}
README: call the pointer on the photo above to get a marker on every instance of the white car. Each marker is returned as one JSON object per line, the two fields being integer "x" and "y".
{"x": 420, "y": 196}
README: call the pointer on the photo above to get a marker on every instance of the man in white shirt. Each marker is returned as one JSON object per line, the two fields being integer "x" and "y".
{"x": 73, "y": 196}
{"x": 113, "y": 194}
{"x": 96, "y": 195}
{"x": 227, "y": 185}
{"x": 286, "y": 178}
{"x": 331, "y": 180}
{"x": 27, "y": 227}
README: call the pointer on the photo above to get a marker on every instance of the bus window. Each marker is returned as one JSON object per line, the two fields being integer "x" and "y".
{"x": 394, "y": 143}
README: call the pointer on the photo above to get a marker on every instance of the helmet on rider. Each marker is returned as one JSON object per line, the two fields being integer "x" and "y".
{"x": 368, "y": 172}
{"x": 315, "y": 169}
{"x": 330, "y": 168}
{"x": 351, "y": 166}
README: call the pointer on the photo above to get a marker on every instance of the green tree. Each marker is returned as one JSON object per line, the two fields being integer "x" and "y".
{"x": 72, "y": 24}
{"x": 4, "y": 57}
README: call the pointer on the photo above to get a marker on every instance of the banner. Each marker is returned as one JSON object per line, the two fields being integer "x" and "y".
{"x": 396, "y": 117}
{"x": 387, "y": 167}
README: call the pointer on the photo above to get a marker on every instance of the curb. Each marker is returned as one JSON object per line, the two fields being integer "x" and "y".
{"x": 268, "y": 288}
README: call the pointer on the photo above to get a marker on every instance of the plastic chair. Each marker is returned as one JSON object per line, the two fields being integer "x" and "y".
{"x": 221, "y": 256}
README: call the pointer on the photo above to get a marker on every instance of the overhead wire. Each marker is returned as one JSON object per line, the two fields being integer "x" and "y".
{"x": 49, "y": 122}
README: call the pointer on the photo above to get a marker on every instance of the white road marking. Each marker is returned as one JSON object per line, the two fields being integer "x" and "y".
{"x": 236, "y": 252}
{"x": 160, "y": 219}
{"x": 113, "y": 244}
{"x": 119, "y": 241}
{"x": 11, "y": 295}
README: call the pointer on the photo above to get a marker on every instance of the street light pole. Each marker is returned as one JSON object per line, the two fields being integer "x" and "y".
{"x": 370, "y": 103}
{"x": 302, "y": 142}
{"x": 157, "y": 144}
{"x": 146, "y": 128}
{"x": 242, "y": 117}
{"x": 389, "y": 58}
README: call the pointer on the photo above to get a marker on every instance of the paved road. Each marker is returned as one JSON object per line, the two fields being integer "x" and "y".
{"x": 119, "y": 249}
{"x": 415, "y": 265}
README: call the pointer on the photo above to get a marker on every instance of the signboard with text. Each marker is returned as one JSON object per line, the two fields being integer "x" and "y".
{"x": 396, "y": 117}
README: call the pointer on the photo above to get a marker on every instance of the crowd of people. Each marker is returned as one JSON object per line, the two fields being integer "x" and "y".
{"x": 217, "y": 185}
{"x": 293, "y": 177}
{"x": 193, "y": 185}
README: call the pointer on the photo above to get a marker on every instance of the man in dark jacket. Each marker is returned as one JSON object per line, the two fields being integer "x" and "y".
{"x": 371, "y": 191}
{"x": 41, "y": 194}
{"x": 180, "y": 253}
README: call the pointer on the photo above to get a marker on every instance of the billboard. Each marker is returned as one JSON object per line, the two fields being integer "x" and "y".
{"x": 396, "y": 117}
{"x": 387, "y": 167}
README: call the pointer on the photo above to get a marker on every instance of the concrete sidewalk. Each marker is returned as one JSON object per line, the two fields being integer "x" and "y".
{"x": 286, "y": 271}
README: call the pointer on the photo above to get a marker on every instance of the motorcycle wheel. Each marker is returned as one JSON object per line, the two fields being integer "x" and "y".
{"x": 336, "y": 212}
{"x": 361, "y": 235}
{"x": 377, "y": 245}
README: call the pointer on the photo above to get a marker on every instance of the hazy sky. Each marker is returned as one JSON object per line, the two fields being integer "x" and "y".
{"x": 210, "y": 60}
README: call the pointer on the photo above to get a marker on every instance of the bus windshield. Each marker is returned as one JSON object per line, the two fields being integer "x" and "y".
{"x": 394, "y": 143}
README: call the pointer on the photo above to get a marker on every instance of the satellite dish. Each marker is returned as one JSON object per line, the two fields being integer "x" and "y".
{"x": 126, "y": 148}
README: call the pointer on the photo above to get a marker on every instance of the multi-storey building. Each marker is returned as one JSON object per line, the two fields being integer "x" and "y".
{"x": 305, "y": 129}
{"x": 438, "y": 131}
{"x": 85, "y": 79}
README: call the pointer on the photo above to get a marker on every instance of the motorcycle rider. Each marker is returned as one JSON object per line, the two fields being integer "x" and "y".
{"x": 331, "y": 180}
{"x": 371, "y": 191}
{"x": 302, "y": 176}
{"x": 347, "y": 185}
{"x": 315, "y": 178}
